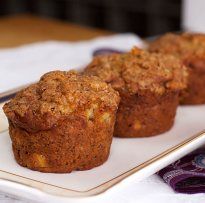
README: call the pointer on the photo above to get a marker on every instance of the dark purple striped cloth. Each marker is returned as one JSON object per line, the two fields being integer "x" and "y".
{"x": 187, "y": 175}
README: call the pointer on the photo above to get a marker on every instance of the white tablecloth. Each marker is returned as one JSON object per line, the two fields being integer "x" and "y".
{"x": 25, "y": 64}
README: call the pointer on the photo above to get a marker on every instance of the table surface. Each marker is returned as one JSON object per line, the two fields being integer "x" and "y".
{"x": 24, "y": 29}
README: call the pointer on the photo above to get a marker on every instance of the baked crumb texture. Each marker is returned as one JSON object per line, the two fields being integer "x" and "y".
{"x": 64, "y": 122}
{"x": 148, "y": 84}
{"x": 190, "y": 48}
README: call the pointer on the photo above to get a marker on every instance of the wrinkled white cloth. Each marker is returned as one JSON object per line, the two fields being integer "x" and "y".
{"x": 149, "y": 190}
{"x": 25, "y": 64}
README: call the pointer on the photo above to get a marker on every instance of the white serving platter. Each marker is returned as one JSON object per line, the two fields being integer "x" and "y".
{"x": 130, "y": 160}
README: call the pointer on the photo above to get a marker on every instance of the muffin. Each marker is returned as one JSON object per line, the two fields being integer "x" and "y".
{"x": 64, "y": 122}
{"x": 148, "y": 84}
{"x": 190, "y": 48}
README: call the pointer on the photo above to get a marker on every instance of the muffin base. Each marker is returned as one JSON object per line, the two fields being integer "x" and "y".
{"x": 145, "y": 115}
{"x": 54, "y": 169}
{"x": 72, "y": 145}
{"x": 195, "y": 91}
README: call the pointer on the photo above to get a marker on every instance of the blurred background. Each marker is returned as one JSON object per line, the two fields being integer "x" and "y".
{"x": 143, "y": 17}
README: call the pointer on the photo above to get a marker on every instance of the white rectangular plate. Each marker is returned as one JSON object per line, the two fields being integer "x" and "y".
{"x": 133, "y": 159}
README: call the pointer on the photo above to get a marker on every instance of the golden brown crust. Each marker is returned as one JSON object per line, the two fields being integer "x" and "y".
{"x": 72, "y": 126}
{"x": 139, "y": 70}
{"x": 57, "y": 95}
{"x": 183, "y": 45}
{"x": 190, "y": 49}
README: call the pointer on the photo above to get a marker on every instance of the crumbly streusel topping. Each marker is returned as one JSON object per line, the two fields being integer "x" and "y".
{"x": 58, "y": 94}
{"x": 181, "y": 45}
{"x": 140, "y": 70}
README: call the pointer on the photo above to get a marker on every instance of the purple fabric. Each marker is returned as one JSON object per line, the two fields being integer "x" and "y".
{"x": 103, "y": 51}
{"x": 187, "y": 175}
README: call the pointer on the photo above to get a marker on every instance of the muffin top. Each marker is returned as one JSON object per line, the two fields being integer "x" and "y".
{"x": 184, "y": 45}
{"x": 58, "y": 94}
{"x": 139, "y": 70}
